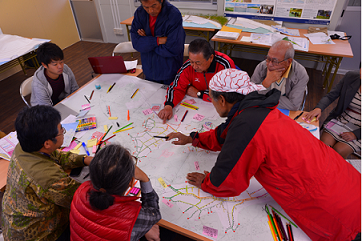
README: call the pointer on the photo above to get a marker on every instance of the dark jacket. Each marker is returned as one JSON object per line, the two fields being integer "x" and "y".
{"x": 345, "y": 90}
{"x": 160, "y": 62}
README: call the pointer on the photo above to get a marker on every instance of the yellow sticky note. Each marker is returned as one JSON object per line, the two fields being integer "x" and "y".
{"x": 77, "y": 146}
{"x": 112, "y": 118}
{"x": 105, "y": 128}
{"x": 92, "y": 142}
{"x": 75, "y": 151}
{"x": 162, "y": 182}
{"x": 314, "y": 119}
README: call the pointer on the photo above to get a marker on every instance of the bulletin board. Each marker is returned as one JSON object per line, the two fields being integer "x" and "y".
{"x": 299, "y": 11}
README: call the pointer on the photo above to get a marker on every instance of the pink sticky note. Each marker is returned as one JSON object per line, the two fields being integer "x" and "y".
{"x": 190, "y": 101}
{"x": 168, "y": 203}
{"x": 211, "y": 232}
{"x": 156, "y": 107}
{"x": 97, "y": 135}
{"x": 198, "y": 117}
{"x": 197, "y": 166}
{"x": 94, "y": 149}
{"x": 71, "y": 146}
{"x": 175, "y": 117}
{"x": 86, "y": 107}
{"x": 147, "y": 112}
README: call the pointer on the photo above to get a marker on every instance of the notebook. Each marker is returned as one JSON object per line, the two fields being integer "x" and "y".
{"x": 108, "y": 65}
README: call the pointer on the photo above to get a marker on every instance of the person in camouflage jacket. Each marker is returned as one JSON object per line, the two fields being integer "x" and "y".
{"x": 36, "y": 202}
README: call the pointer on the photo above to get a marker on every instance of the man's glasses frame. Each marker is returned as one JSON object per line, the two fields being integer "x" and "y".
{"x": 274, "y": 61}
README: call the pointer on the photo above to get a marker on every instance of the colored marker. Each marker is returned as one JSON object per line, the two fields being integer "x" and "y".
{"x": 296, "y": 118}
{"x": 183, "y": 118}
{"x": 128, "y": 118}
{"x": 109, "y": 111}
{"x": 91, "y": 95}
{"x": 85, "y": 148}
{"x": 87, "y": 99}
{"x": 134, "y": 93}
{"x": 117, "y": 124}
{"x": 110, "y": 87}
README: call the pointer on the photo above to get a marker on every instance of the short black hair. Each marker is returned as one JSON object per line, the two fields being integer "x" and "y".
{"x": 35, "y": 125}
{"x": 147, "y": 1}
{"x": 230, "y": 97}
{"x": 200, "y": 45}
{"x": 111, "y": 171}
{"x": 48, "y": 52}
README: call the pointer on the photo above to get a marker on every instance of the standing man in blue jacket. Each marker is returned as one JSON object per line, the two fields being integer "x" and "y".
{"x": 157, "y": 33}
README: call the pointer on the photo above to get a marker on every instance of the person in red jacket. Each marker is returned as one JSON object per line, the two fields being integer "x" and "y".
{"x": 194, "y": 76}
{"x": 314, "y": 185}
{"x": 101, "y": 211}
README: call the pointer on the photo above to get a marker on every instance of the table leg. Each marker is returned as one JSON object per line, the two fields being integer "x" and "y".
{"x": 22, "y": 66}
{"x": 328, "y": 73}
{"x": 337, "y": 64}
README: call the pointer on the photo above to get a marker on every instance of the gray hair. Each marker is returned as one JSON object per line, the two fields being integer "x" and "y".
{"x": 285, "y": 45}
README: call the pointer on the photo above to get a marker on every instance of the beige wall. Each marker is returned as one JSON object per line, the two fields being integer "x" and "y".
{"x": 47, "y": 19}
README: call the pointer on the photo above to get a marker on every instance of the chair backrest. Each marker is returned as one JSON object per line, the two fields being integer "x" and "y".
{"x": 186, "y": 50}
{"x": 304, "y": 98}
{"x": 125, "y": 47}
{"x": 25, "y": 89}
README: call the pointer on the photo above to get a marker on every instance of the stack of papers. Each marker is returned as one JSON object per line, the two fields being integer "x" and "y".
{"x": 270, "y": 38}
{"x": 7, "y": 145}
{"x": 319, "y": 38}
{"x": 227, "y": 35}
{"x": 191, "y": 19}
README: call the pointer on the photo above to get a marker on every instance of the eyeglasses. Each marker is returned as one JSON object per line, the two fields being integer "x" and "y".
{"x": 63, "y": 131}
{"x": 274, "y": 61}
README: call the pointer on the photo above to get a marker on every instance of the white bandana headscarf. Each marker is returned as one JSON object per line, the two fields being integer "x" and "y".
{"x": 233, "y": 80}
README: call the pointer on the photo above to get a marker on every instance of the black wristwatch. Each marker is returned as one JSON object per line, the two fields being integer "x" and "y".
{"x": 200, "y": 94}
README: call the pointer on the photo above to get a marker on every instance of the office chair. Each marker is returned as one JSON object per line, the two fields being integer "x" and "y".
{"x": 25, "y": 89}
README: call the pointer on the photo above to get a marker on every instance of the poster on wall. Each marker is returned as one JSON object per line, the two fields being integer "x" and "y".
{"x": 302, "y": 11}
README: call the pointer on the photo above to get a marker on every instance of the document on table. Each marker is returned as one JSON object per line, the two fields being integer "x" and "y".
{"x": 319, "y": 38}
{"x": 7, "y": 145}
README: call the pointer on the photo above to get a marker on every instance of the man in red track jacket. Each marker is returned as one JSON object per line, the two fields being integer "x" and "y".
{"x": 314, "y": 185}
{"x": 194, "y": 76}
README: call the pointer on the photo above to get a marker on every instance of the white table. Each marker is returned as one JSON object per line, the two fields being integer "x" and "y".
{"x": 241, "y": 218}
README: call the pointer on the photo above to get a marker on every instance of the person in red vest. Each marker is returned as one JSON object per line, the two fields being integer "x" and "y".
{"x": 100, "y": 210}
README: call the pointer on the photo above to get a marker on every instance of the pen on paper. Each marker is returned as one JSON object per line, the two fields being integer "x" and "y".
{"x": 110, "y": 87}
{"x": 87, "y": 99}
{"x": 134, "y": 93}
{"x": 183, "y": 118}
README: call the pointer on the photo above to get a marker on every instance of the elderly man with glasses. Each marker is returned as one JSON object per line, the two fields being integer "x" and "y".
{"x": 36, "y": 202}
{"x": 280, "y": 71}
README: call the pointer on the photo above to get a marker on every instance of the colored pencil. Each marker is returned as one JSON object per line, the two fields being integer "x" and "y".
{"x": 193, "y": 106}
{"x": 283, "y": 216}
{"x": 271, "y": 219}
{"x": 163, "y": 137}
{"x": 111, "y": 87}
{"x": 108, "y": 138}
{"x": 134, "y": 93}
{"x": 109, "y": 111}
{"x": 282, "y": 230}
{"x": 128, "y": 118}
{"x": 188, "y": 106}
{"x": 183, "y": 118}
{"x": 280, "y": 236}
{"x": 123, "y": 127}
{"x": 271, "y": 229}
{"x": 91, "y": 95}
